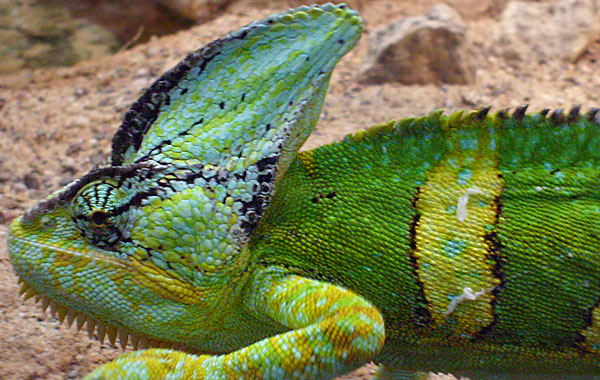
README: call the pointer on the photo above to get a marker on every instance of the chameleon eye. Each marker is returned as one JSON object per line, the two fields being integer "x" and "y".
{"x": 95, "y": 212}
{"x": 99, "y": 218}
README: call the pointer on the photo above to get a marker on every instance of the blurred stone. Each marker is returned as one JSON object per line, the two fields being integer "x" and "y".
{"x": 31, "y": 181}
{"x": 11, "y": 64}
{"x": 200, "y": 10}
{"x": 560, "y": 29}
{"x": 44, "y": 20}
{"x": 38, "y": 52}
{"x": 419, "y": 50}
{"x": 41, "y": 34}
{"x": 12, "y": 37}
{"x": 6, "y": 12}
{"x": 90, "y": 41}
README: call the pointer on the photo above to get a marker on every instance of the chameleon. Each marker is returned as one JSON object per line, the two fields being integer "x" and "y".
{"x": 463, "y": 243}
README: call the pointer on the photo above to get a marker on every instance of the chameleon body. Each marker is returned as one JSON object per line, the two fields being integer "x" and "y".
{"x": 465, "y": 243}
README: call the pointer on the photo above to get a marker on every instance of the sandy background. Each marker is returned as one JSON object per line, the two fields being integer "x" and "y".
{"x": 56, "y": 124}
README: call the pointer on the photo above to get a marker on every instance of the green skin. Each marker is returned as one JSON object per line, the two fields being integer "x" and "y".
{"x": 463, "y": 243}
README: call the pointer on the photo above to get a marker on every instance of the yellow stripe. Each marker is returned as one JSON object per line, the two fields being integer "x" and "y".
{"x": 458, "y": 208}
{"x": 592, "y": 333}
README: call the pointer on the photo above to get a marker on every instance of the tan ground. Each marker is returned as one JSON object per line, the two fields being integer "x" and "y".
{"x": 55, "y": 125}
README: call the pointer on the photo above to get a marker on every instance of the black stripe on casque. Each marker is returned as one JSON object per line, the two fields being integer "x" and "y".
{"x": 495, "y": 253}
{"x": 145, "y": 110}
{"x": 198, "y": 122}
{"x": 421, "y": 312}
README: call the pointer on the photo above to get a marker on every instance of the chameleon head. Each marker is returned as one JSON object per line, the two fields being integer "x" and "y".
{"x": 104, "y": 252}
{"x": 154, "y": 244}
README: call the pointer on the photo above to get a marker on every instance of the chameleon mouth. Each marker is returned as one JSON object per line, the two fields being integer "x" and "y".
{"x": 95, "y": 329}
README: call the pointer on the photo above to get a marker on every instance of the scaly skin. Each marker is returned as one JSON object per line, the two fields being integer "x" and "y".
{"x": 465, "y": 243}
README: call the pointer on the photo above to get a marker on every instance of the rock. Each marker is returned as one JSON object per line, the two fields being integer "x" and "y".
{"x": 49, "y": 54}
{"x": 40, "y": 34}
{"x": 12, "y": 42}
{"x": 200, "y": 10}
{"x": 419, "y": 50}
{"x": 10, "y": 64}
{"x": 12, "y": 38}
{"x": 560, "y": 29}
{"x": 31, "y": 181}
{"x": 90, "y": 41}
{"x": 44, "y": 21}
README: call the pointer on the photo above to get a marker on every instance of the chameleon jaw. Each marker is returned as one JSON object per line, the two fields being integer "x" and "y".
{"x": 74, "y": 317}
{"x": 41, "y": 264}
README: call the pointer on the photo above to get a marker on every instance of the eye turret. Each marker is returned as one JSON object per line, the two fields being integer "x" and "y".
{"x": 98, "y": 214}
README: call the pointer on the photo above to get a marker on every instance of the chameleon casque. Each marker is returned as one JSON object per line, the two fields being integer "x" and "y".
{"x": 465, "y": 243}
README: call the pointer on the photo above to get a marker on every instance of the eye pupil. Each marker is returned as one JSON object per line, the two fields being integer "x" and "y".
{"x": 98, "y": 218}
